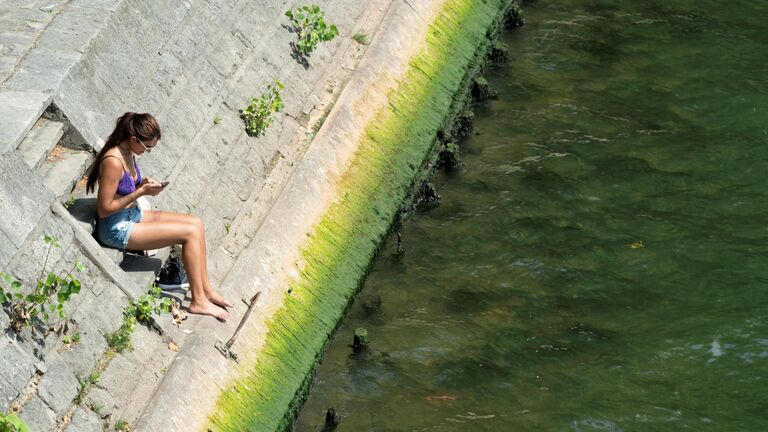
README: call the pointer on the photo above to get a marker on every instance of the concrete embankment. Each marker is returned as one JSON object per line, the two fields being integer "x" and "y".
{"x": 299, "y": 222}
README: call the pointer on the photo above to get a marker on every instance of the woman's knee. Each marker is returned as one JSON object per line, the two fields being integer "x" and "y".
{"x": 191, "y": 232}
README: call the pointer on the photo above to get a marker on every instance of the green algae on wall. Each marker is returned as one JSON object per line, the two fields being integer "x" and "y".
{"x": 339, "y": 253}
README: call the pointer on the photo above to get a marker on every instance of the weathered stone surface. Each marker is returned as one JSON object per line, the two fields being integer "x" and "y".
{"x": 38, "y": 416}
{"x": 104, "y": 4}
{"x": 120, "y": 377}
{"x": 28, "y": 262}
{"x": 42, "y": 70}
{"x": 39, "y": 141}
{"x": 82, "y": 357}
{"x": 19, "y": 111}
{"x": 7, "y": 62}
{"x": 73, "y": 30}
{"x": 100, "y": 401}
{"x": 23, "y": 200}
{"x": 16, "y": 368}
{"x": 85, "y": 420}
{"x": 59, "y": 386}
{"x": 60, "y": 176}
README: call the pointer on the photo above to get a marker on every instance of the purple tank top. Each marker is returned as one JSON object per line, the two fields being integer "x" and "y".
{"x": 127, "y": 185}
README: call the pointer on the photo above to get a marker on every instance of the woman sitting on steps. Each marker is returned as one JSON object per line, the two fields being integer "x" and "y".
{"x": 122, "y": 225}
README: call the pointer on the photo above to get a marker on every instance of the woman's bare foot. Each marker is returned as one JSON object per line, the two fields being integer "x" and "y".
{"x": 217, "y": 299}
{"x": 208, "y": 308}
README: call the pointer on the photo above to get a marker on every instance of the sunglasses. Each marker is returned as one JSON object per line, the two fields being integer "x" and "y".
{"x": 146, "y": 149}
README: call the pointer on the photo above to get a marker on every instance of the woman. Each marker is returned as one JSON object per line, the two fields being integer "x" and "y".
{"x": 122, "y": 225}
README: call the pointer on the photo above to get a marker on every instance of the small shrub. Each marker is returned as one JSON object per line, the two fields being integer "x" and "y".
{"x": 48, "y": 297}
{"x": 12, "y": 423}
{"x": 150, "y": 303}
{"x": 310, "y": 23}
{"x": 361, "y": 38}
{"x": 120, "y": 340}
{"x": 217, "y": 120}
{"x": 122, "y": 425}
{"x": 141, "y": 310}
{"x": 258, "y": 115}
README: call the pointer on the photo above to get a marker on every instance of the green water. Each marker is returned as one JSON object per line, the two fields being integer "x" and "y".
{"x": 601, "y": 261}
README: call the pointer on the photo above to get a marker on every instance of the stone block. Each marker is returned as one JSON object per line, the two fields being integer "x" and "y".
{"x": 7, "y": 250}
{"x": 112, "y": 301}
{"x": 100, "y": 401}
{"x": 59, "y": 386}
{"x": 38, "y": 416}
{"x": 187, "y": 43}
{"x": 120, "y": 377}
{"x": 85, "y": 420}
{"x": 89, "y": 101}
{"x": 7, "y": 62}
{"x": 23, "y": 199}
{"x": 118, "y": 66}
{"x": 158, "y": 19}
{"x": 228, "y": 53}
{"x": 73, "y": 30}
{"x": 81, "y": 358}
{"x": 16, "y": 369}
{"x": 15, "y": 43}
{"x": 19, "y": 111}
{"x": 60, "y": 176}
{"x": 43, "y": 70}
{"x": 28, "y": 262}
{"x": 102, "y": 4}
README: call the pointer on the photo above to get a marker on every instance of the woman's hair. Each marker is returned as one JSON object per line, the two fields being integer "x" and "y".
{"x": 143, "y": 126}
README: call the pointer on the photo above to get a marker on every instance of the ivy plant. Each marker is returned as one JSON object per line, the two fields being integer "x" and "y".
{"x": 47, "y": 299}
{"x": 309, "y": 22}
{"x": 258, "y": 114}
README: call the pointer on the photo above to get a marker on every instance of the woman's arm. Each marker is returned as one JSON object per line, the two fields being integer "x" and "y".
{"x": 106, "y": 200}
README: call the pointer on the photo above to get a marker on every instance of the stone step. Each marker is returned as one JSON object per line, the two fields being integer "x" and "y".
{"x": 62, "y": 169}
{"x": 19, "y": 110}
{"x": 40, "y": 140}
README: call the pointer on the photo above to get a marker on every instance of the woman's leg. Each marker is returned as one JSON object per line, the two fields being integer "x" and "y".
{"x": 153, "y": 235}
{"x": 162, "y": 216}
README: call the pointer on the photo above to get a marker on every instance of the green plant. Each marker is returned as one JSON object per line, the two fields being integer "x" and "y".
{"x": 258, "y": 114}
{"x": 96, "y": 408}
{"x": 74, "y": 340}
{"x": 361, "y": 38}
{"x": 217, "y": 120}
{"x": 52, "y": 292}
{"x": 310, "y": 23}
{"x": 82, "y": 391}
{"x": 120, "y": 340}
{"x": 228, "y": 227}
{"x": 70, "y": 202}
{"x": 140, "y": 310}
{"x": 121, "y": 425}
{"x": 150, "y": 303}
{"x": 12, "y": 423}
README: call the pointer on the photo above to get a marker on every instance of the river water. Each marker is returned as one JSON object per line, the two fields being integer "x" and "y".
{"x": 600, "y": 263}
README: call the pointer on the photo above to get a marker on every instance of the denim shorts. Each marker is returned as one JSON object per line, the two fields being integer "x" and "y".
{"x": 115, "y": 229}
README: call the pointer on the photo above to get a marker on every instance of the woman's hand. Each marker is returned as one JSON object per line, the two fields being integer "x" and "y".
{"x": 149, "y": 187}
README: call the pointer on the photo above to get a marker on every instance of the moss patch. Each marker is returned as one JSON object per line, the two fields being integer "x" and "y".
{"x": 340, "y": 252}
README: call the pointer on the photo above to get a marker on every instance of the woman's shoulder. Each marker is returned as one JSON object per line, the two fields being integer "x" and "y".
{"x": 111, "y": 164}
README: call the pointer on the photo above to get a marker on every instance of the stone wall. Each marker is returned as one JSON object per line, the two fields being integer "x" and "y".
{"x": 88, "y": 61}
